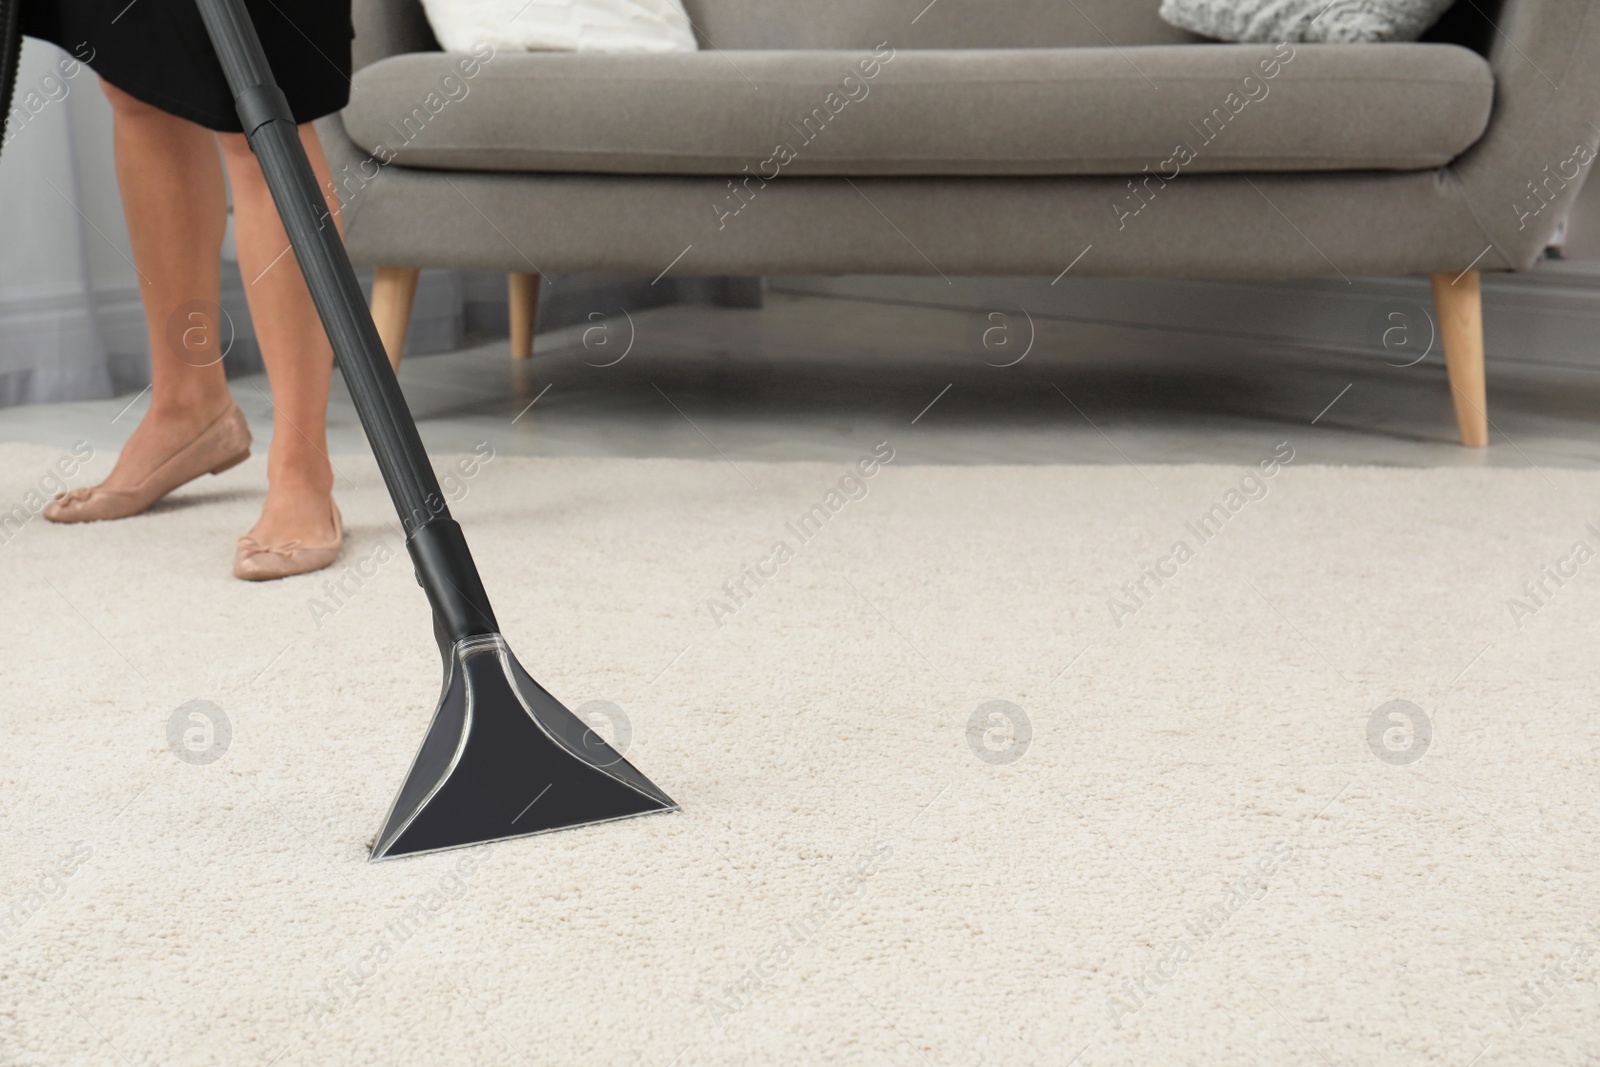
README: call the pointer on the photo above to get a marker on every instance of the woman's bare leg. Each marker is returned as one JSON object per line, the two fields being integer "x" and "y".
{"x": 293, "y": 346}
{"x": 172, "y": 194}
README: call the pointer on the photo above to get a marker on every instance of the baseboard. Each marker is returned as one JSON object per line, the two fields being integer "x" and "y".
{"x": 448, "y": 306}
{"x": 51, "y": 348}
{"x": 437, "y": 324}
{"x": 569, "y": 299}
{"x": 1549, "y": 316}
{"x": 564, "y": 299}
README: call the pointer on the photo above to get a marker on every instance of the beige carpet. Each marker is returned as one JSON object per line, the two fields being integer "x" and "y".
{"x": 1191, "y": 854}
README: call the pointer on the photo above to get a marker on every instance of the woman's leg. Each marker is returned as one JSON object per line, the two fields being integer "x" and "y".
{"x": 293, "y": 346}
{"x": 173, "y": 197}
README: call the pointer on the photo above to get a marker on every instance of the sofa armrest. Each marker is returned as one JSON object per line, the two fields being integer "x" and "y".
{"x": 387, "y": 28}
{"x": 1522, "y": 177}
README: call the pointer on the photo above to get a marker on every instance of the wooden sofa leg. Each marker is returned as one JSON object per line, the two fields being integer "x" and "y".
{"x": 393, "y": 289}
{"x": 522, "y": 291}
{"x": 1458, "y": 299}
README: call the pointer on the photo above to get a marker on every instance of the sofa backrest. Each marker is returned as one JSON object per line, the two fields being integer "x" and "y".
{"x": 920, "y": 24}
{"x": 387, "y": 27}
{"x": 1471, "y": 23}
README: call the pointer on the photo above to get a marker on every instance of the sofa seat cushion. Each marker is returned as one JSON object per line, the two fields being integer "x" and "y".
{"x": 1073, "y": 111}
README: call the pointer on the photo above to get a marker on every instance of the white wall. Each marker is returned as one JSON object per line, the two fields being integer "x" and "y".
{"x": 1582, "y": 237}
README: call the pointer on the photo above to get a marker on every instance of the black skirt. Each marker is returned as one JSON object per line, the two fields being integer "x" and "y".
{"x": 157, "y": 51}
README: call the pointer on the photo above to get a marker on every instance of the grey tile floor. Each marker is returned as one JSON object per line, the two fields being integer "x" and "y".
{"x": 817, "y": 378}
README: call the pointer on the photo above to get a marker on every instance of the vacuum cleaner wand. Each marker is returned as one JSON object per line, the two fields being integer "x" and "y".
{"x": 10, "y": 58}
{"x": 502, "y": 757}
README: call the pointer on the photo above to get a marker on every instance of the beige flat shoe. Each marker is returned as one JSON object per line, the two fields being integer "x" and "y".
{"x": 256, "y": 562}
{"x": 223, "y": 444}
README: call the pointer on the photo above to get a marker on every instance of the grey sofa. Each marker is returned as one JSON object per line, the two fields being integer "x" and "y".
{"x": 1003, "y": 137}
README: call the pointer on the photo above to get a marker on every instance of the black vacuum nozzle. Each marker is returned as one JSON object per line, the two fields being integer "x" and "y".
{"x": 503, "y": 758}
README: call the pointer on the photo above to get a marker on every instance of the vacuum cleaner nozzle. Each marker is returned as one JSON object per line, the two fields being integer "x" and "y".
{"x": 503, "y": 758}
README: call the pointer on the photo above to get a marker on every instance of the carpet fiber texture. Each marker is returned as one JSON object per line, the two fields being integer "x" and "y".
{"x": 977, "y": 766}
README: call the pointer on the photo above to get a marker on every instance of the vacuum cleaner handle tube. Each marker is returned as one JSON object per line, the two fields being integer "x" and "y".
{"x": 444, "y": 567}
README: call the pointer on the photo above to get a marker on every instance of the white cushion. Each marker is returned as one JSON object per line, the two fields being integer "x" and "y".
{"x": 562, "y": 25}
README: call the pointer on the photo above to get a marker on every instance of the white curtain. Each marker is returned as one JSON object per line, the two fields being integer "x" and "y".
{"x": 66, "y": 288}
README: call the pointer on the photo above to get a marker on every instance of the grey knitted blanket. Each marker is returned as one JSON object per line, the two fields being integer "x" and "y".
{"x": 1332, "y": 21}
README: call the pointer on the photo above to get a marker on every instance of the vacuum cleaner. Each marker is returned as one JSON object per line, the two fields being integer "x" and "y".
{"x": 10, "y": 53}
{"x": 502, "y": 758}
